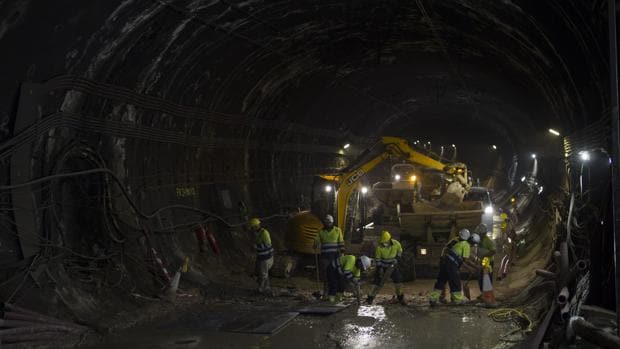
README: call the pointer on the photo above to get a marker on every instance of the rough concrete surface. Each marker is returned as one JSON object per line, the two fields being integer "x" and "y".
{"x": 384, "y": 324}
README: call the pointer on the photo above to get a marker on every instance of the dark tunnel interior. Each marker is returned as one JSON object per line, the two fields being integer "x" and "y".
{"x": 128, "y": 126}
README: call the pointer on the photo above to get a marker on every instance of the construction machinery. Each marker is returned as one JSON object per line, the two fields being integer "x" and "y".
{"x": 422, "y": 205}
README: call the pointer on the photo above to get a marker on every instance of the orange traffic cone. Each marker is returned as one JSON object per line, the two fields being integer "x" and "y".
{"x": 488, "y": 297}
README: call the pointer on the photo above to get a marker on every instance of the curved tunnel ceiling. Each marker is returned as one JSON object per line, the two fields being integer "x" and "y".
{"x": 525, "y": 67}
{"x": 497, "y": 72}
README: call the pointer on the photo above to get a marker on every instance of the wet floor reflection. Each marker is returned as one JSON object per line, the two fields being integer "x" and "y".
{"x": 374, "y": 311}
{"x": 362, "y": 332}
{"x": 360, "y": 336}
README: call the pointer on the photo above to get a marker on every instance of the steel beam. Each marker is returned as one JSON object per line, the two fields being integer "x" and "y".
{"x": 615, "y": 140}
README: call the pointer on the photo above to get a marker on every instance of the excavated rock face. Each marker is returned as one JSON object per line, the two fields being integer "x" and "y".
{"x": 232, "y": 107}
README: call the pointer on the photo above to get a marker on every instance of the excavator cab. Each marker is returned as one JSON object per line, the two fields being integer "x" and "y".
{"x": 404, "y": 176}
{"x": 403, "y": 189}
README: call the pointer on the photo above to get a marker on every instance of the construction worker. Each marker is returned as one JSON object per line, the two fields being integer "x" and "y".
{"x": 504, "y": 222}
{"x": 455, "y": 253}
{"x": 342, "y": 270}
{"x": 387, "y": 256}
{"x": 330, "y": 243}
{"x": 473, "y": 240}
{"x": 486, "y": 250}
{"x": 264, "y": 255}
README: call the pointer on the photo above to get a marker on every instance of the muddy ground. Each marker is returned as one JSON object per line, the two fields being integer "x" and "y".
{"x": 190, "y": 321}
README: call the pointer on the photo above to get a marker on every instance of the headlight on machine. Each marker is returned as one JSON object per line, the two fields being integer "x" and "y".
{"x": 488, "y": 209}
{"x": 422, "y": 251}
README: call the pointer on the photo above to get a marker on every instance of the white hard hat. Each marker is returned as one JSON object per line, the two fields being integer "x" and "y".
{"x": 482, "y": 229}
{"x": 365, "y": 262}
{"x": 475, "y": 238}
{"x": 464, "y": 234}
{"x": 329, "y": 218}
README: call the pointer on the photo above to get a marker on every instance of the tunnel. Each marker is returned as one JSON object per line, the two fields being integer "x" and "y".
{"x": 145, "y": 145}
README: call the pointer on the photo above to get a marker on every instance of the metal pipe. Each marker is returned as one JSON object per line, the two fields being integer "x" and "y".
{"x": 5, "y": 333}
{"x": 565, "y": 312}
{"x": 615, "y": 145}
{"x": 563, "y": 296}
{"x": 17, "y": 323}
{"x": 33, "y": 337}
{"x": 556, "y": 258}
{"x": 564, "y": 267}
{"x": 577, "y": 326}
{"x": 581, "y": 265}
{"x": 535, "y": 340}
{"x": 546, "y": 274}
{"x": 19, "y": 310}
{"x": 38, "y": 319}
{"x": 20, "y": 345}
{"x": 569, "y": 219}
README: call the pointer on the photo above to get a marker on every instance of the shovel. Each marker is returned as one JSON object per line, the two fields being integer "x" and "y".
{"x": 466, "y": 291}
{"x": 317, "y": 294}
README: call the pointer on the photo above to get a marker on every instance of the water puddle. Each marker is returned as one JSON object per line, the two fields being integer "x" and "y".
{"x": 374, "y": 311}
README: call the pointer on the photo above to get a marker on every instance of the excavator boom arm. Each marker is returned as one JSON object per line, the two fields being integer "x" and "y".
{"x": 393, "y": 148}
{"x": 350, "y": 181}
{"x": 400, "y": 147}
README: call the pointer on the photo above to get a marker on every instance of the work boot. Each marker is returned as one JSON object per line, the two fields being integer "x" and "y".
{"x": 434, "y": 297}
{"x": 401, "y": 299}
{"x": 339, "y": 297}
{"x": 370, "y": 299}
{"x": 458, "y": 298}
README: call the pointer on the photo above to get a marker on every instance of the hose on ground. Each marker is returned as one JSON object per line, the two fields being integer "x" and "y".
{"x": 512, "y": 314}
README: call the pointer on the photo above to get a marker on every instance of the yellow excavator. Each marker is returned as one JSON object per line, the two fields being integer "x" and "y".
{"x": 393, "y": 148}
{"x": 423, "y": 219}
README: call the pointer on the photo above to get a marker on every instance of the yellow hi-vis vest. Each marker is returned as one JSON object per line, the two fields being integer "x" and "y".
{"x": 386, "y": 256}
{"x": 264, "y": 250}
{"x": 346, "y": 267}
{"x": 456, "y": 250}
{"x": 331, "y": 241}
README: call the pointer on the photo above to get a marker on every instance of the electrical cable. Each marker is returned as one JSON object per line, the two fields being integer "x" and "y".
{"x": 21, "y": 284}
{"x": 134, "y": 207}
{"x": 512, "y": 314}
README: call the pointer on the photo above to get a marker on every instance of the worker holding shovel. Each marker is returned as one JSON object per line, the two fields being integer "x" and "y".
{"x": 387, "y": 255}
{"x": 329, "y": 242}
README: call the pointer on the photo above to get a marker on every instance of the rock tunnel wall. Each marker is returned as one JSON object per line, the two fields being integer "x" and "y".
{"x": 231, "y": 108}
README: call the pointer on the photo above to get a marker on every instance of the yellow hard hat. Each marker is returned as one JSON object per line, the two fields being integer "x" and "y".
{"x": 385, "y": 236}
{"x": 254, "y": 222}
